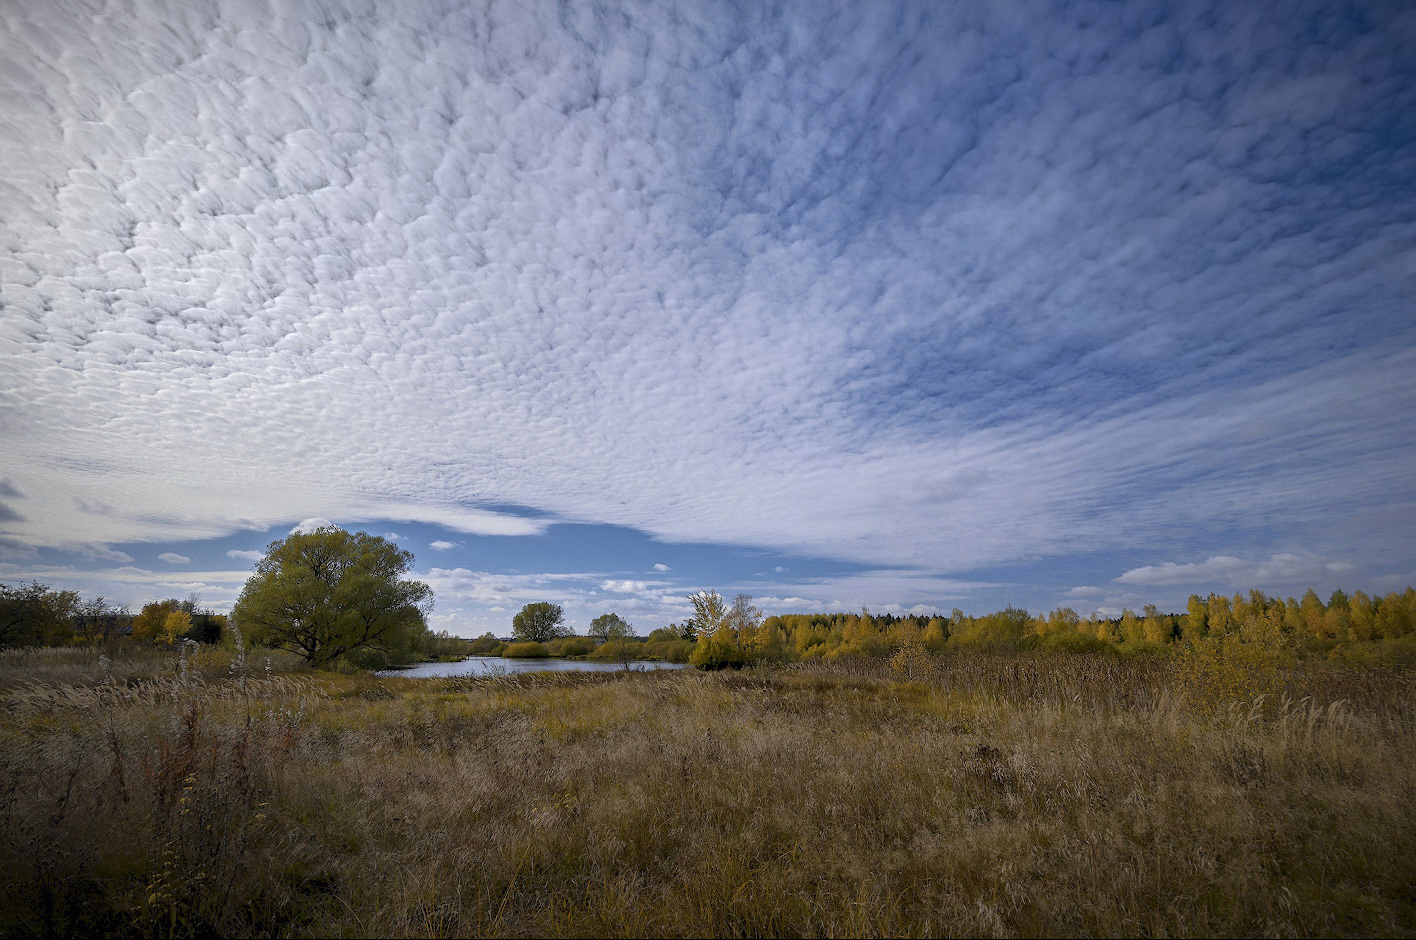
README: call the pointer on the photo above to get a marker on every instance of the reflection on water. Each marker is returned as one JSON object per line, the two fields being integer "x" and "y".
{"x": 497, "y": 666}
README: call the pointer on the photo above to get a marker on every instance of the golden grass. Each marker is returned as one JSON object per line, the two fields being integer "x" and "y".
{"x": 990, "y": 795}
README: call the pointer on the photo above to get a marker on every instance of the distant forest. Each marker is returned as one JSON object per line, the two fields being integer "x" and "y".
{"x": 1356, "y": 626}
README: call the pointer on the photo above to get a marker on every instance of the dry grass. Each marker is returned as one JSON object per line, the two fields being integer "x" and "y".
{"x": 993, "y": 795}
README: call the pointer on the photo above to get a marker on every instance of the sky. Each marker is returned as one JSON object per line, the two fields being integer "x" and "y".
{"x": 908, "y": 306}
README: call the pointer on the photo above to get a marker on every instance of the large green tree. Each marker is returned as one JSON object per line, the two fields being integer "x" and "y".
{"x": 539, "y": 622}
{"x": 607, "y": 627}
{"x": 329, "y": 593}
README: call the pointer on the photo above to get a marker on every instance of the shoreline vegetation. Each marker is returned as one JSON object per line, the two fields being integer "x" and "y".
{"x": 1357, "y": 629}
{"x": 1244, "y": 768}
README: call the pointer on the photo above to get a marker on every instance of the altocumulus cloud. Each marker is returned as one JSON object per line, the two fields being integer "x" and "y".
{"x": 912, "y": 285}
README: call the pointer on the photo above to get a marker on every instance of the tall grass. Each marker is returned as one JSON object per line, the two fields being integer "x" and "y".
{"x": 989, "y": 794}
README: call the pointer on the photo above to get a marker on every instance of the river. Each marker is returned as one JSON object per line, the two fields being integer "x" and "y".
{"x": 497, "y": 665}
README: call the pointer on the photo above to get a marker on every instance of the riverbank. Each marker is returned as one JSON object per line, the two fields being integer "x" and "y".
{"x": 991, "y": 795}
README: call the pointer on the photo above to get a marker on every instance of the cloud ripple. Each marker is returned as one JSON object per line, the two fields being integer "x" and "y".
{"x": 902, "y": 284}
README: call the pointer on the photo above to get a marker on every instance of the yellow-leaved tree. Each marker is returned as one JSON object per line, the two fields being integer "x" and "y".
{"x": 174, "y": 625}
{"x": 152, "y": 619}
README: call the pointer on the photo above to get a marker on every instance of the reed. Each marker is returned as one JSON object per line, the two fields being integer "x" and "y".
{"x": 987, "y": 794}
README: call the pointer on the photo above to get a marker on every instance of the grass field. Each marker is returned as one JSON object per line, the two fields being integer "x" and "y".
{"x": 992, "y": 794}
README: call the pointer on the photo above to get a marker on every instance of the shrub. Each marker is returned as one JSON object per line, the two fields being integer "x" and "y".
{"x": 571, "y": 646}
{"x": 617, "y": 651}
{"x": 1070, "y": 641}
{"x": 486, "y": 645}
{"x": 1237, "y": 665}
{"x": 1400, "y": 652}
{"x": 527, "y": 650}
{"x": 672, "y": 650}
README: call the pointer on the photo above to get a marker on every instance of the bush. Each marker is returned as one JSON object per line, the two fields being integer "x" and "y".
{"x": 1004, "y": 630}
{"x": 571, "y": 646}
{"x": 370, "y": 658}
{"x": 713, "y": 652}
{"x": 617, "y": 651}
{"x": 1400, "y": 652}
{"x": 673, "y": 650}
{"x": 527, "y": 650}
{"x": 444, "y": 647}
{"x": 1068, "y": 641}
{"x": 1239, "y": 665}
{"x": 486, "y": 645}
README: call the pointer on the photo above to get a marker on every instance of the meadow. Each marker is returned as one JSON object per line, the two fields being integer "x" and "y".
{"x": 991, "y": 794}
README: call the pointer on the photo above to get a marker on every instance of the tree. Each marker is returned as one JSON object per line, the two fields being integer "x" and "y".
{"x": 622, "y": 651}
{"x": 175, "y": 625}
{"x": 540, "y": 622}
{"x": 608, "y": 627}
{"x": 152, "y": 619}
{"x": 1196, "y": 617}
{"x": 721, "y": 629}
{"x": 330, "y": 593}
{"x": 618, "y": 642}
{"x": 1003, "y": 628}
{"x": 97, "y": 621}
{"x": 1157, "y": 627}
{"x": 33, "y": 615}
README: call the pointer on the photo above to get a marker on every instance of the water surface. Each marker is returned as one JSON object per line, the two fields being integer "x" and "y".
{"x": 496, "y": 665}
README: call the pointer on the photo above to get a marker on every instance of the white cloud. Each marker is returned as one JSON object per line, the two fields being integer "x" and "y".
{"x": 661, "y": 567}
{"x": 310, "y": 525}
{"x": 462, "y": 584}
{"x": 625, "y": 587}
{"x": 1086, "y": 591}
{"x": 95, "y": 551}
{"x": 951, "y": 344}
{"x": 468, "y": 592}
{"x": 14, "y": 548}
{"x": 442, "y": 546}
{"x": 134, "y": 586}
{"x": 93, "y": 506}
{"x": 245, "y": 555}
{"x": 1284, "y": 569}
{"x": 883, "y": 590}
{"x": 172, "y": 558}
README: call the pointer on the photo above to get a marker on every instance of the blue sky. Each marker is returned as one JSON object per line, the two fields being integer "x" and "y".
{"x": 908, "y": 306}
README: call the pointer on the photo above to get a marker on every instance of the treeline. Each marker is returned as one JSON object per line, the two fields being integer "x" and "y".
{"x": 1355, "y": 626}
{"x": 34, "y": 614}
{"x": 662, "y": 645}
{"x": 538, "y": 631}
{"x": 720, "y": 635}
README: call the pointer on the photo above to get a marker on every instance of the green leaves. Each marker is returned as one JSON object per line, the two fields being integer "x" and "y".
{"x": 538, "y": 623}
{"x": 607, "y": 627}
{"x": 329, "y": 593}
